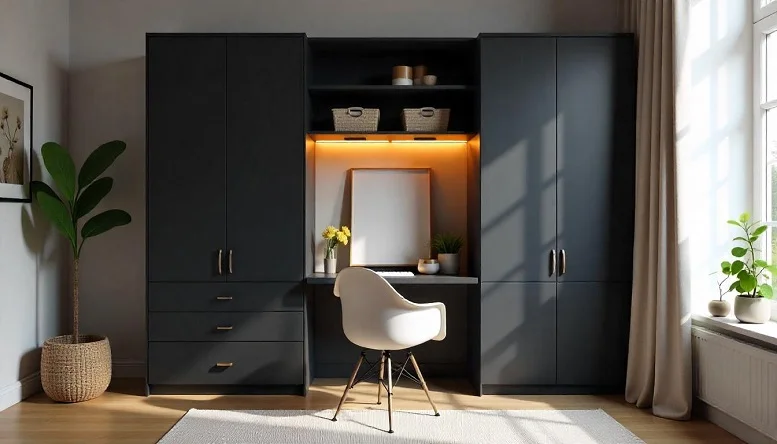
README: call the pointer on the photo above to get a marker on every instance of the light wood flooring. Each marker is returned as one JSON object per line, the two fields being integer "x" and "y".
{"x": 123, "y": 415}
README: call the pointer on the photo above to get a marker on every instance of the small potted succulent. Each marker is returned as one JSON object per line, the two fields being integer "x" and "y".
{"x": 448, "y": 247}
{"x": 750, "y": 279}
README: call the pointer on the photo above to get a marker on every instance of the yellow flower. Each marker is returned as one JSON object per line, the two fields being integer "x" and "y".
{"x": 345, "y": 230}
{"x": 329, "y": 232}
{"x": 342, "y": 238}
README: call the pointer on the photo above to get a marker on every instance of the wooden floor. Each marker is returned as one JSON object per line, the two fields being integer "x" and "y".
{"x": 123, "y": 415}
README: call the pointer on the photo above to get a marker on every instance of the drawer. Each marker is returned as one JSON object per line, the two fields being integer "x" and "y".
{"x": 243, "y": 363}
{"x": 225, "y": 296}
{"x": 225, "y": 326}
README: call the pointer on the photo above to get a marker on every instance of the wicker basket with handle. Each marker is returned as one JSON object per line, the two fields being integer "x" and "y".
{"x": 425, "y": 120}
{"x": 356, "y": 119}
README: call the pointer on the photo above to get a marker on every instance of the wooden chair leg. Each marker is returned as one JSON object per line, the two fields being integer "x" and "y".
{"x": 390, "y": 388}
{"x": 348, "y": 387}
{"x": 423, "y": 384}
{"x": 380, "y": 375}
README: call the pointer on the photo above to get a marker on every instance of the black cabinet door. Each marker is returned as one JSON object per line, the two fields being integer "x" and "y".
{"x": 518, "y": 158}
{"x": 186, "y": 92}
{"x": 265, "y": 158}
{"x": 596, "y": 149}
{"x": 593, "y": 333}
{"x": 518, "y": 333}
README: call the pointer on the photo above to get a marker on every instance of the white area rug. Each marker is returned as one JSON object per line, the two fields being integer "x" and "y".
{"x": 369, "y": 427}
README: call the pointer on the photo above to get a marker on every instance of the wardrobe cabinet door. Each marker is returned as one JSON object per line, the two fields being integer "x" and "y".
{"x": 518, "y": 333}
{"x": 186, "y": 90}
{"x": 265, "y": 158}
{"x": 596, "y": 149}
{"x": 518, "y": 158}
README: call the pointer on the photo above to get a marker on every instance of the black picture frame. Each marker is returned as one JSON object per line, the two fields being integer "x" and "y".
{"x": 8, "y": 86}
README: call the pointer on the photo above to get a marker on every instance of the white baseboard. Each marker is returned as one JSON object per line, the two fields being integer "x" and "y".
{"x": 731, "y": 424}
{"x": 128, "y": 368}
{"x": 19, "y": 390}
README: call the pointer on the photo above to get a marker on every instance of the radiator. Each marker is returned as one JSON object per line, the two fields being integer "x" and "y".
{"x": 737, "y": 378}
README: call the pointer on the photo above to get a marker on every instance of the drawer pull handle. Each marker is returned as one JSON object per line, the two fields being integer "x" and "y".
{"x": 224, "y": 327}
{"x": 224, "y": 364}
{"x": 224, "y": 298}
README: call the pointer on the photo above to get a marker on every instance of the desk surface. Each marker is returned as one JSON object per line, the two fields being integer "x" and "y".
{"x": 419, "y": 279}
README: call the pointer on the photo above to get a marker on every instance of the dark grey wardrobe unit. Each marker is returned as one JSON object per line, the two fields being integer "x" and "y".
{"x": 557, "y": 212}
{"x": 225, "y": 196}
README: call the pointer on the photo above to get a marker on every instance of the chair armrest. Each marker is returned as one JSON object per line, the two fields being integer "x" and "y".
{"x": 440, "y": 307}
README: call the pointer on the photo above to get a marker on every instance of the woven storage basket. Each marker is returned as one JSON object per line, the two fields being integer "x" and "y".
{"x": 356, "y": 119}
{"x": 425, "y": 120}
{"x": 75, "y": 372}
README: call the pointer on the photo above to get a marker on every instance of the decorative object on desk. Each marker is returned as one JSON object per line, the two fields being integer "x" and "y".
{"x": 749, "y": 274}
{"x": 430, "y": 80}
{"x": 428, "y": 266}
{"x": 15, "y": 139}
{"x": 426, "y": 120}
{"x": 77, "y": 367}
{"x": 356, "y": 119}
{"x": 448, "y": 247}
{"x": 332, "y": 236}
{"x": 419, "y": 72}
{"x": 402, "y": 75}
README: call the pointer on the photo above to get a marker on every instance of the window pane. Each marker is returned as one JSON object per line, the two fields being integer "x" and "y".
{"x": 771, "y": 164}
{"x": 770, "y": 66}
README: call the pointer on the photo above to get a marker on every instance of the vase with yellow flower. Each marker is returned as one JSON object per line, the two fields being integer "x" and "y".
{"x": 332, "y": 236}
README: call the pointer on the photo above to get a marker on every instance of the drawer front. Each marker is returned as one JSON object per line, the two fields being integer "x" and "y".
{"x": 268, "y": 296}
{"x": 225, "y": 363}
{"x": 225, "y": 326}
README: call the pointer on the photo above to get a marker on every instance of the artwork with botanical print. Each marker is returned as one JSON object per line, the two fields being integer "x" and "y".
{"x": 11, "y": 140}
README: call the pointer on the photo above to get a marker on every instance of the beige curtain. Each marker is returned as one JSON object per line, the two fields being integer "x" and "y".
{"x": 659, "y": 364}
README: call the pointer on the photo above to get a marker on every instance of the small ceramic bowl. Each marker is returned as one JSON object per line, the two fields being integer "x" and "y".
{"x": 428, "y": 266}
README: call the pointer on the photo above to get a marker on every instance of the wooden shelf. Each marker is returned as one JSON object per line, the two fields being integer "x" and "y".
{"x": 389, "y": 136}
{"x": 393, "y": 89}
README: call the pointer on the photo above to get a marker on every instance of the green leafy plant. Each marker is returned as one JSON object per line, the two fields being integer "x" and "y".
{"x": 446, "y": 243}
{"x": 78, "y": 196}
{"x": 745, "y": 269}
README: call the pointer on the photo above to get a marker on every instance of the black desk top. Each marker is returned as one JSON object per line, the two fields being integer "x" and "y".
{"x": 419, "y": 279}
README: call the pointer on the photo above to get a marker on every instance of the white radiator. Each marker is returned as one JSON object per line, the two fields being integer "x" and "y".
{"x": 737, "y": 378}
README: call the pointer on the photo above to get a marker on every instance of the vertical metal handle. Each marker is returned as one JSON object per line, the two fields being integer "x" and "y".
{"x": 230, "y": 261}
{"x": 563, "y": 262}
{"x": 221, "y": 252}
{"x": 552, "y": 262}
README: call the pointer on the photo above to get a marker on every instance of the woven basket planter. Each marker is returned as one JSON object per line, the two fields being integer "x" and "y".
{"x": 75, "y": 372}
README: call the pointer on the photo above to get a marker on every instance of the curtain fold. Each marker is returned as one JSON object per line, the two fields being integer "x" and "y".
{"x": 659, "y": 362}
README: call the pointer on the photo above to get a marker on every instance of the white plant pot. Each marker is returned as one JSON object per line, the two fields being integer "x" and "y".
{"x": 719, "y": 308}
{"x": 449, "y": 263}
{"x": 330, "y": 266}
{"x": 752, "y": 310}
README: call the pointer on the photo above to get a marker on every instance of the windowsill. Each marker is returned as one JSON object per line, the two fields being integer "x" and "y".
{"x": 761, "y": 334}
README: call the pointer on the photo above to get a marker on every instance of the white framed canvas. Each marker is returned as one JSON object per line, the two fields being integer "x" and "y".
{"x": 15, "y": 139}
{"x": 390, "y": 216}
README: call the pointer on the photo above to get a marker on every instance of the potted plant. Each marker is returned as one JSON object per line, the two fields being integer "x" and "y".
{"x": 332, "y": 236}
{"x": 448, "y": 247}
{"x": 77, "y": 367}
{"x": 751, "y": 282}
{"x": 720, "y": 307}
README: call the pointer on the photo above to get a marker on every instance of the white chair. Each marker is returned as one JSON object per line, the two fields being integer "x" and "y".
{"x": 376, "y": 317}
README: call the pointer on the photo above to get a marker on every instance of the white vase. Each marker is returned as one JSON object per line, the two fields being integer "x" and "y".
{"x": 752, "y": 310}
{"x": 719, "y": 308}
{"x": 330, "y": 265}
{"x": 449, "y": 263}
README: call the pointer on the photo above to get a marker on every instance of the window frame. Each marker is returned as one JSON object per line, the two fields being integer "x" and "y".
{"x": 761, "y": 12}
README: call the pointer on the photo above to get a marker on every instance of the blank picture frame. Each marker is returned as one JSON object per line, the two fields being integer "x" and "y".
{"x": 390, "y": 216}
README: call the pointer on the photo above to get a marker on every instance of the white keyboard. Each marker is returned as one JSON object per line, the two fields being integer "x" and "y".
{"x": 395, "y": 273}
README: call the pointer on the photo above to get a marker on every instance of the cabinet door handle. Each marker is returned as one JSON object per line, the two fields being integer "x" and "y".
{"x": 224, "y": 327}
{"x": 230, "y": 261}
{"x": 221, "y": 253}
{"x": 563, "y": 262}
{"x": 552, "y": 262}
{"x": 224, "y": 298}
{"x": 224, "y": 364}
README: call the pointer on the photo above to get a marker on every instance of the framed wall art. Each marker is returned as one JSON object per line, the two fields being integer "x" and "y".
{"x": 15, "y": 139}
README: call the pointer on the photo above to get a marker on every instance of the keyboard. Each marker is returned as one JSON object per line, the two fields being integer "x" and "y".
{"x": 395, "y": 273}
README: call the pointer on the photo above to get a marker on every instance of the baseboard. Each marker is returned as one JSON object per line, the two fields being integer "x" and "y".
{"x": 19, "y": 390}
{"x": 730, "y": 424}
{"x": 128, "y": 368}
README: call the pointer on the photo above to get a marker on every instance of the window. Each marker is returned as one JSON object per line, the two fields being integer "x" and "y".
{"x": 765, "y": 122}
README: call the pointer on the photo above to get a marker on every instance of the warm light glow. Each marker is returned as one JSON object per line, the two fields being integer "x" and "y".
{"x": 352, "y": 141}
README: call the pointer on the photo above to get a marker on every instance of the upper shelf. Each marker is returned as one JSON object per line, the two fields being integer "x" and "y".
{"x": 393, "y": 89}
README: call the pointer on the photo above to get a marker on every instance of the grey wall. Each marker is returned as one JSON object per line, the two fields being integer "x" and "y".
{"x": 34, "y": 48}
{"x": 107, "y": 45}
